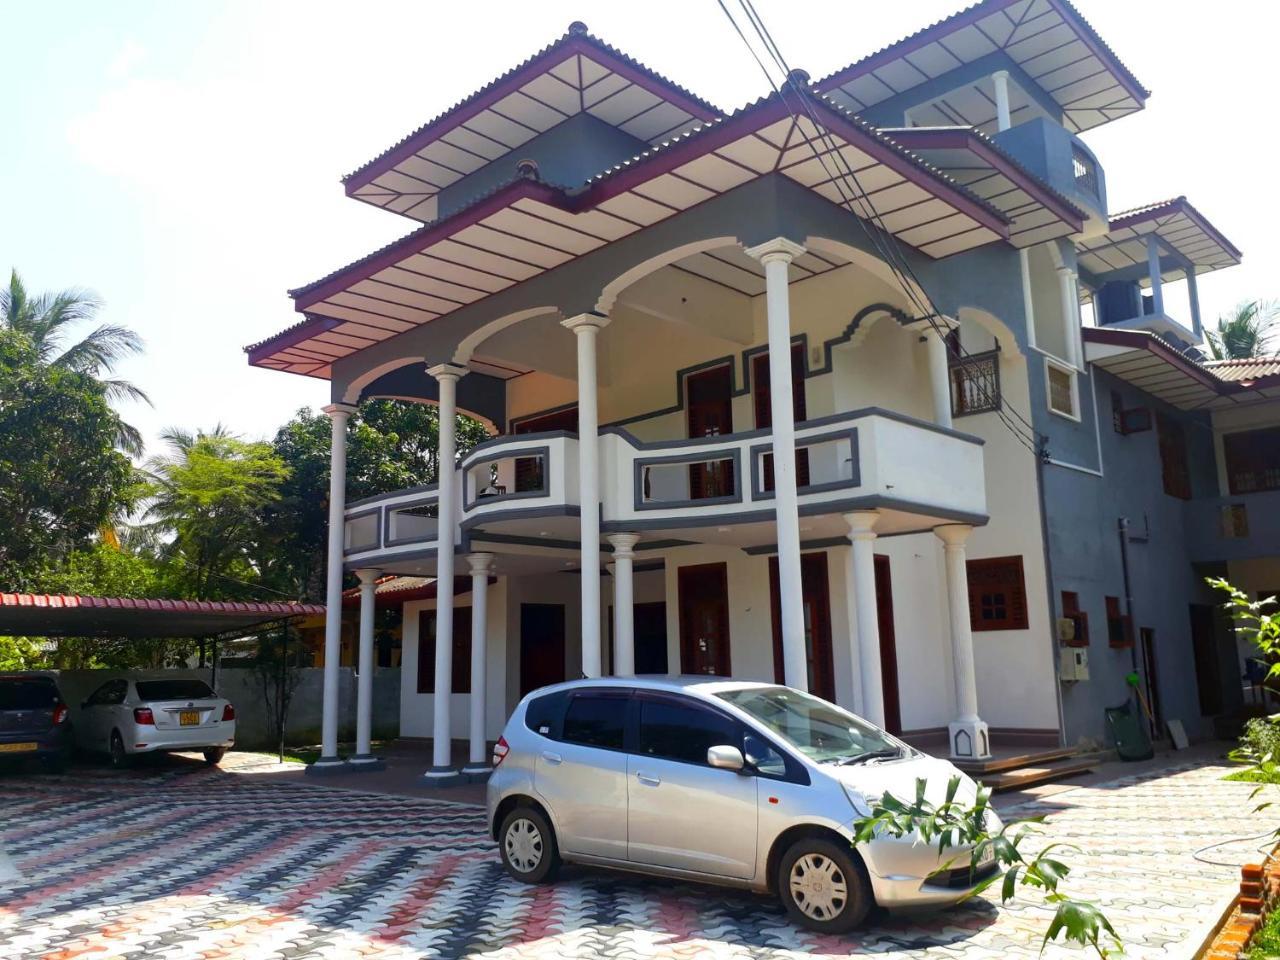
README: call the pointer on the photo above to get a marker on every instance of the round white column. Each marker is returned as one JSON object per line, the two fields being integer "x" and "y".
{"x": 776, "y": 256}
{"x": 1154, "y": 274}
{"x": 939, "y": 378}
{"x": 862, "y": 537}
{"x": 586, "y": 326}
{"x": 624, "y": 624}
{"x": 1028, "y": 305}
{"x": 339, "y": 414}
{"x": 1000, "y": 80}
{"x": 968, "y": 734}
{"x": 481, "y": 566}
{"x": 364, "y": 757}
{"x": 447, "y": 376}
{"x": 1070, "y": 314}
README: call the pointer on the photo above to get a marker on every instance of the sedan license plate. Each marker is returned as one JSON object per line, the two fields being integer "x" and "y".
{"x": 189, "y": 718}
{"x": 18, "y": 747}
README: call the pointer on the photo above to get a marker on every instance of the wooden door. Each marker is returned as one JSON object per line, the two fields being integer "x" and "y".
{"x": 888, "y": 646}
{"x": 762, "y": 401}
{"x": 709, "y": 408}
{"x": 704, "y": 619}
{"x": 1204, "y": 647}
{"x": 541, "y": 645}
{"x": 530, "y": 470}
{"x": 651, "y": 637}
{"x": 816, "y": 601}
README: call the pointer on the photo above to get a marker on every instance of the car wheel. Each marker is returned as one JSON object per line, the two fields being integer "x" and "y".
{"x": 823, "y": 886}
{"x": 119, "y": 758}
{"x": 528, "y": 846}
{"x": 213, "y": 756}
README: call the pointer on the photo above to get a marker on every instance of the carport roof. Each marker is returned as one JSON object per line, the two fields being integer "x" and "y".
{"x": 58, "y": 615}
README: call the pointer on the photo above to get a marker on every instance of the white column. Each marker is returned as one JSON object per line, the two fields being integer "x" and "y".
{"x": 1153, "y": 270}
{"x": 862, "y": 592}
{"x": 1000, "y": 80}
{"x": 967, "y": 733}
{"x": 586, "y": 326}
{"x": 364, "y": 757}
{"x": 624, "y": 625}
{"x": 939, "y": 377}
{"x": 1070, "y": 315}
{"x": 338, "y": 413}
{"x": 851, "y": 625}
{"x": 1193, "y": 298}
{"x": 447, "y": 376}
{"x": 776, "y": 255}
{"x": 1028, "y": 304}
{"x": 481, "y": 566}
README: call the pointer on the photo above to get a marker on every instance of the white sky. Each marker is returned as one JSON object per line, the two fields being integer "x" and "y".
{"x": 183, "y": 159}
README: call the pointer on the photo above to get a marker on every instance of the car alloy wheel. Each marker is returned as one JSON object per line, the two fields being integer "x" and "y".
{"x": 819, "y": 887}
{"x": 523, "y": 844}
{"x": 118, "y": 755}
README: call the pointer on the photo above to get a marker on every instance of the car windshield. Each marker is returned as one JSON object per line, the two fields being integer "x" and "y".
{"x": 821, "y": 731}
{"x": 22, "y": 694}
{"x": 178, "y": 689}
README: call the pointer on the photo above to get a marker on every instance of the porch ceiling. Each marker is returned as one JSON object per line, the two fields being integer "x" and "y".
{"x": 1047, "y": 39}
{"x": 1182, "y": 230}
{"x": 526, "y": 227}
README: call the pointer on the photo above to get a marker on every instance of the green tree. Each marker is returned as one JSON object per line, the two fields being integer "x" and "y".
{"x": 208, "y": 491}
{"x": 1246, "y": 331}
{"x": 391, "y": 445}
{"x": 60, "y": 472}
{"x": 46, "y": 320}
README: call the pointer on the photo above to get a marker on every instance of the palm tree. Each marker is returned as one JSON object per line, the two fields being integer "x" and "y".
{"x": 1244, "y": 332}
{"x": 47, "y": 319}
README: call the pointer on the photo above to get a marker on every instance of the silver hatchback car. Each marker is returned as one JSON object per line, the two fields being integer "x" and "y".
{"x": 746, "y": 784}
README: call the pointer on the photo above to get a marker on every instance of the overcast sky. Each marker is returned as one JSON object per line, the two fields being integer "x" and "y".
{"x": 183, "y": 159}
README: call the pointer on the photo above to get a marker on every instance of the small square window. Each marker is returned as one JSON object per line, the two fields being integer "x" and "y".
{"x": 1061, "y": 385}
{"x": 997, "y": 594}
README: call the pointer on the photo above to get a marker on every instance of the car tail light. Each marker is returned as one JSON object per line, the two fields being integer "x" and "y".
{"x": 500, "y": 750}
{"x": 60, "y": 714}
{"x": 228, "y": 712}
{"x": 144, "y": 717}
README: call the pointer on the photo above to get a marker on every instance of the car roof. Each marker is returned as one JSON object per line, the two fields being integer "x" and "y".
{"x": 685, "y": 683}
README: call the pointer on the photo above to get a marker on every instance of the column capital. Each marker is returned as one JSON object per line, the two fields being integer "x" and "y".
{"x": 585, "y": 322}
{"x": 623, "y": 544}
{"x": 481, "y": 564}
{"x": 448, "y": 371}
{"x": 367, "y": 576}
{"x": 1066, "y": 272}
{"x": 862, "y": 524}
{"x": 336, "y": 410}
{"x": 1000, "y": 75}
{"x": 953, "y": 534}
{"x": 777, "y": 249}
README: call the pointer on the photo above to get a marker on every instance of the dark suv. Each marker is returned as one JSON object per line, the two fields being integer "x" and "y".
{"x": 33, "y": 721}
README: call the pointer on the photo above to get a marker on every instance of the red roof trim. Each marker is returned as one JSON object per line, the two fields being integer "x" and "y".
{"x": 1164, "y": 208}
{"x": 1146, "y": 341}
{"x": 233, "y": 607}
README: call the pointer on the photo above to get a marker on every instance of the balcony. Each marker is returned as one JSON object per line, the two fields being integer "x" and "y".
{"x": 519, "y": 488}
{"x": 1234, "y": 528}
{"x": 1050, "y": 152}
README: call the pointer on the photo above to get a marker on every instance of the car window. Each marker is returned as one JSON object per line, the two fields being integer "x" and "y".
{"x": 596, "y": 721}
{"x": 22, "y": 693}
{"x": 762, "y": 755}
{"x": 544, "y": 713}
{"x": 119, "y": 690}
{"x": 181, "y": 688}
{"x": 103, "y": 694}
{"x": 684, "y": 732}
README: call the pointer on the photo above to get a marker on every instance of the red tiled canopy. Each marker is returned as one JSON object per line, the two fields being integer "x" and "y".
{"x": 60, "y": 615}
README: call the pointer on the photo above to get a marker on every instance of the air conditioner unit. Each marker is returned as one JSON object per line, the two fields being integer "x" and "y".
{"x": 1074, "y": 664}
{"x": 1066, "y": 629}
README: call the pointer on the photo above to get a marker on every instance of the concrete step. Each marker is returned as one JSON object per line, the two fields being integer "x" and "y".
{"x": 1011, "y": 761}
{"x": 1021, "y": 777}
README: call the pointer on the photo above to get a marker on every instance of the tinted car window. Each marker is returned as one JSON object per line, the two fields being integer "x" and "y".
{"x": 596, "y": 721}
{"x": 762, "y": 755}
{"x": 113, "y": 691}
{"x": 179, "y": 689}
{"x": 674, "y": 731}
{"x": 20, "y": 693}
{"x": 544, "y": 713}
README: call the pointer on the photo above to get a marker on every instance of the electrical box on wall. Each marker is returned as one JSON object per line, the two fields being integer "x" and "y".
{"x": 1066, "y": 629}
{"x": 1074, "y": 664}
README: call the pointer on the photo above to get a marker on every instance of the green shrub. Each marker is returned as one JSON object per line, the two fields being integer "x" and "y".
{"x": 1261, "y": 737}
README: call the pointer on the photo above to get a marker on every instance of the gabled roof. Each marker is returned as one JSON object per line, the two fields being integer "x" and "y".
{"x": 1183, "y": 230}
{"x": 527, "y": 227}
{"x": 1047, "y": 39}
{"x": 578, "y": 73}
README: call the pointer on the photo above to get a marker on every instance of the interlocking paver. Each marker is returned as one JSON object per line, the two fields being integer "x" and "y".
{"x": 189, "y": 862}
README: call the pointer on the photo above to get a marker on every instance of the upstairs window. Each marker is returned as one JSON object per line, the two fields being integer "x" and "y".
{"x": 997, "y": 594}
{"x": 1060, "y": 384}
{"x": 1252, "y": 460}
{"x": 1175, "y": 471}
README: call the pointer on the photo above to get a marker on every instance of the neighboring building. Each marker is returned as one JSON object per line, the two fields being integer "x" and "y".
{"x": 779, "y": 382}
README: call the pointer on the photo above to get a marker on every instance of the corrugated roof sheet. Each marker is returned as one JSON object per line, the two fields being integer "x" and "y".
{"x": 1239, "y": 371}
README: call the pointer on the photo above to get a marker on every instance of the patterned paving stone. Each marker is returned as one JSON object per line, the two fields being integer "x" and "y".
{"x": 186, "y": 862}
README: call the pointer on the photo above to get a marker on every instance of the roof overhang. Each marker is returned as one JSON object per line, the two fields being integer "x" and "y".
{"x": 576, "y": 74}
{"x": 526, "y": 227}
{"x": 41, "y": 615}
{"x": 1048, "y": 40}
{"x": 1037, "y": 212}
{"x": 1185, "y": 236}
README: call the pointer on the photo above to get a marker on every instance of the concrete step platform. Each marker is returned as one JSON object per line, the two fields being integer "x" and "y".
{"x": 1019, "y": 769}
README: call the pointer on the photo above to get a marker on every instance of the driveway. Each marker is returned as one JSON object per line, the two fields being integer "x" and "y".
{"x": 178, "y": 860}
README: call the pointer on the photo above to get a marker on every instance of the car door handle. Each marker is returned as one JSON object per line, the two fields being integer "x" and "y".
{"x": 550, "y": 757}
{"x": 647, "y": 780}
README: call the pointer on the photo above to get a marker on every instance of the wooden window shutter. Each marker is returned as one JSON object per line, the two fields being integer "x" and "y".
{"x": 997, "y": 594}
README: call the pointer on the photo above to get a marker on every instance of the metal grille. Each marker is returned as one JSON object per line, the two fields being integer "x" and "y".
{"x": 975, "y": 384}
{"x": 1086, "y": 172}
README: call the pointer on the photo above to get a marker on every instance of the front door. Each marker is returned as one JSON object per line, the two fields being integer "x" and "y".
{"x": 762, "y": 401}
{"x": 888, "y": 646}
{"x": 1204, "y": 647}
{"x": 817, "y": 624}
{"x": 541, "y": 645}
{"x": 709, "y": 402}
{"x": 668, "y": 778}
{"x": 704, "y": 619}
{"x": 651, "y": 637}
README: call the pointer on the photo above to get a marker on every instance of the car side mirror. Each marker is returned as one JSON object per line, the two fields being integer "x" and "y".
{"x": 725, "y": 757}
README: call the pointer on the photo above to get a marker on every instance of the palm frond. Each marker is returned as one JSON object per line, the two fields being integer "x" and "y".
{"x": 129, "y": 439}
{"x": 124, "y": 390}
{"x": 100, "y": 350}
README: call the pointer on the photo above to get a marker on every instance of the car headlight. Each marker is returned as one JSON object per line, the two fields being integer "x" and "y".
{"x": 860, "y": 805}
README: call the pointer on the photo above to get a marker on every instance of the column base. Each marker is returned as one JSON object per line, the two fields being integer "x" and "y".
{"x": 477, "y": 772}
{"x": 326, "y": 766}
{"x": 969, "y": 740}
{"x": 442, "y": 777}
{"x": 366, "y": 763}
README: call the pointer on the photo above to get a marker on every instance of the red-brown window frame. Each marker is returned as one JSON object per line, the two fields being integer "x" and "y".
{"x": 1071, "y": 611}
{"x": 1243, "y": 453}
{"x": 998, "y": 571}
{"x": 1175, "y": 468}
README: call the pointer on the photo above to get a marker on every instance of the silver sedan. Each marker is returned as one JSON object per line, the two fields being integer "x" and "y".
{"x": 747, "y": 784}
{"x": 124, "y": 717}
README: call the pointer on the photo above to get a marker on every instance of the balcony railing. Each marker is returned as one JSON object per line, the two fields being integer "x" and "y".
{"x": 975, "y": 384}
{"x": 1085, "y": 170}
